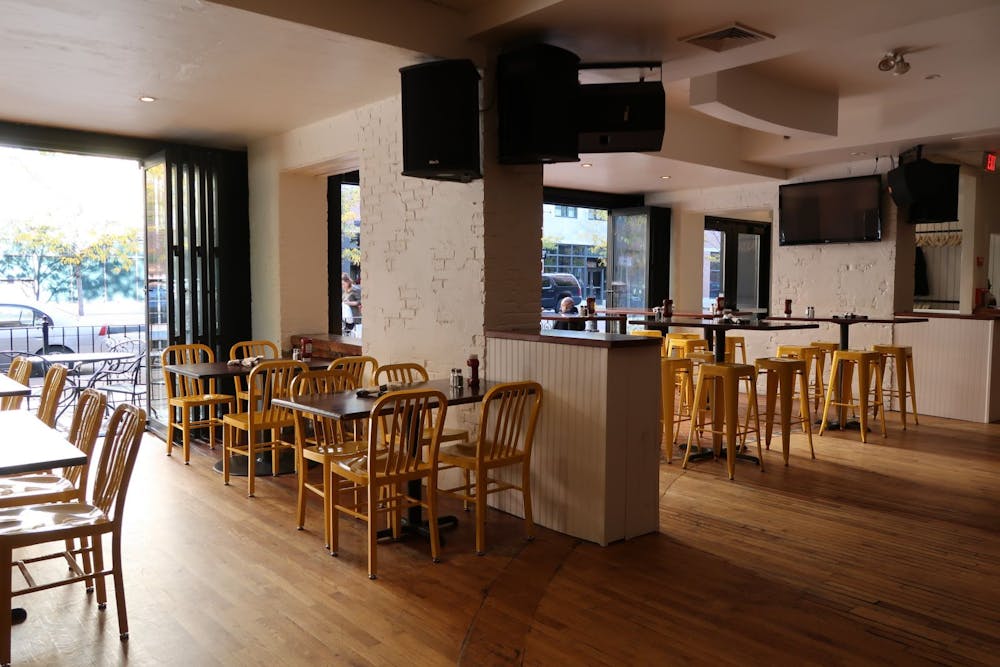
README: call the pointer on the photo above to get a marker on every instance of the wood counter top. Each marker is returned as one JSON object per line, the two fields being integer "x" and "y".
{"x": 980, "y": 314}
{"x": 579, "y": 338}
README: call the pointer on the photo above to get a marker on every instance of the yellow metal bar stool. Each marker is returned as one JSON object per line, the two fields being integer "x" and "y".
{"x": 673, "y": 372}
{"x": 720, "y": 384}
{"x": 866, "y": 362}
{"x": 734, "y": 343}
{"x": 682, "y": 347}
{"x": 781, "y": 374}
{"x": 828, "y": 349}
{"x": 902, "y": 361}
{"x": 652, "y": 333}
{"x": 814, "y": 358}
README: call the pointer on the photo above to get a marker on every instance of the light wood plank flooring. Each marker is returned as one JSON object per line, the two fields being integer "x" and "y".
{"x": 881, "y": 554}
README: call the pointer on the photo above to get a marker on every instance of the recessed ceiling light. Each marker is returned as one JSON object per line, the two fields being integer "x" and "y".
{"x": 931, "y": 77}
{"x": 857, "y": 153}
{"x": 147, "y": 98}
{"x": 665, "y": 178}
{"x": 586, "y": 164}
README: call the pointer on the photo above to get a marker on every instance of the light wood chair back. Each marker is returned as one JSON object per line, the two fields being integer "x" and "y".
{"x": 322, "y": 440}
{"x": 39, "y": 524}
{"x": 52, "y": 389}
{"x": 195, "y": 399}
{"x": 18, "y": 371}
{"x": 244, "y": 350}
{"x": 362, "y": 368}
{"x": 507, "y": 422}
{"x": 267, "y": 381}
{"x": 405, "y": 373}
{"x": 397, "y": 453}
{"x": 83, "y": 432}
{"x": 179, "y": 386}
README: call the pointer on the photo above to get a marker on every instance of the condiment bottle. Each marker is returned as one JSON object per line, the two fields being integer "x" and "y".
{"x": 720, "y": 303}
{"x": 307, "y": 348}
{"x": 473, "y": 364}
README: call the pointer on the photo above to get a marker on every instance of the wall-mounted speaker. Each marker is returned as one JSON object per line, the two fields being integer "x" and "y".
{"x": 928, "y": 190}
{"x": 621, "y": 117}
{"x": 441, "y": 120}
{"x": 536, "y": 105}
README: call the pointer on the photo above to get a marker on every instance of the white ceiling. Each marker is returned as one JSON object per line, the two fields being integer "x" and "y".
{"x": 232, "y": 71}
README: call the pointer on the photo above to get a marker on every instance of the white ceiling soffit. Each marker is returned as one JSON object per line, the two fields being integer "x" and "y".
{"x": 743, "y": 97}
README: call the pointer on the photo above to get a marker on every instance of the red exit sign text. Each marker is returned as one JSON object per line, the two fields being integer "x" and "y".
{"x": 990, "y": 161}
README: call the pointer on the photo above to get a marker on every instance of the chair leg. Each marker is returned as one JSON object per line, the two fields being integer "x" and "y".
{"x": 880, "y": 397}
{"x": 228, "y": 433}
{"x": 329, "y": 489}
{"x": 119, "y": 579}
{"x": 300, "y": 501}
{"x": 432, "y": 517}
{"x": 529, "y": 520}
{"x": 772, "y": 388}
{"x": 804, "y": 401}
{"x": 786, "y": 387}
{"x": 864, "y": 382}
{"x": 97, "y": 548}
{"x": 5, "y": 599}
{"x": 186, "y": 435}
{"x": 730, "y": 405}
{"x": 372, "y": 532}
{"x": 829, "y": 398}
{"x": 913, "y": 389}
{"x": 481, "y": 483}
{"x": 699, "y": 396}
{"x": 251, "y": 462}
{"x": 170, "y": 429}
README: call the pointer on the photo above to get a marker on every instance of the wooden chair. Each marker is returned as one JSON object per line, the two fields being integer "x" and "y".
{"x": 32, "y": 525}
{"x": 72, "y": 483}
{"x": 380, "y": 476}
{"x": 506, "y": 431}
{"x": 195, "y": 400}
{"x": 323, "y": 440}
{"x": 268, "y": 380}
{"x": 244, "y": 350}
{"x": 52, "y": 389}
{"x": 18, "y": 371}
{"x": 361, "y": 368}
{"x": 409, "y": 373}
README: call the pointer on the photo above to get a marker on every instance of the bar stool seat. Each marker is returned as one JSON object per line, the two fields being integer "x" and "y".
{"x": 781, "y": 374}
{"x": 675, "y": 373}
{"x": 902, "y": 360}
{"x": 720, "y": 383}
{"x": 866, "y": 362}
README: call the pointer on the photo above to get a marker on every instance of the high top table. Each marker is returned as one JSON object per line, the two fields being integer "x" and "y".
{"x": 845, "y": 324}
{"x": 715, "y": 330}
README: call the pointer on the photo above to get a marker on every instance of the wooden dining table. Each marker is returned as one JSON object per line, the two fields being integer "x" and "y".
{"x": 29, "y": 445}
{"x": 348, "y": 405}
{"x": 11, "y": 387}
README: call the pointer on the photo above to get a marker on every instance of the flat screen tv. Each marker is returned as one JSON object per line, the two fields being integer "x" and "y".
{"x": 845, "y": 210}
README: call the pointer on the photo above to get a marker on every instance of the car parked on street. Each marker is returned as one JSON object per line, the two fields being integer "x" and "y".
{"x": 557, "y": 286}
{"x": 22, "y": 329}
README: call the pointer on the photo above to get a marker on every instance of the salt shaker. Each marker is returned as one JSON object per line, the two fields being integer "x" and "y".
{"x": 810, "y": 312}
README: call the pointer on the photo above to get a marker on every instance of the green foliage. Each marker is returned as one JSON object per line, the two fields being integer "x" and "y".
{"x": 350, "y": 222}
{"x": 59, "y": 265}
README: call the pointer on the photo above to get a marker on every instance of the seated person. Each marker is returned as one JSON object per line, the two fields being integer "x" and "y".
{"x": 568, "y": 307}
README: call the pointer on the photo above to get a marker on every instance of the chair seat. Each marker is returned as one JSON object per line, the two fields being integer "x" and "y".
{"x": 50, "y": 517}
{"x": 199, "y": 399}
{"x": 350, "y": 448}
{"x": 464, "y": 454}
{"x": 358, "y": 466}
{"x": 262, "y": 421}
{"x": 25, "y": 485}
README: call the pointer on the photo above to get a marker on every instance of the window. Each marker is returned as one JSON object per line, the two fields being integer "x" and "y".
{"x": 737, "y": 263}
{"x": 566, "y": 212}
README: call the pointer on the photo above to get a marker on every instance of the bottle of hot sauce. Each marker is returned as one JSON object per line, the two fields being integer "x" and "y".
{"x": 473, "y": 364}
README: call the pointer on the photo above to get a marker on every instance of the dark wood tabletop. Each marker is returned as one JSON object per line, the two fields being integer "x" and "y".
{"x": 9, "y": 387}
{"x": 720, "y": 326}
{"x": 347, "y": 405}
{"x": 29, "y": 445}
{"x": 221, "y": 369}
{"x": 846, "y": 322}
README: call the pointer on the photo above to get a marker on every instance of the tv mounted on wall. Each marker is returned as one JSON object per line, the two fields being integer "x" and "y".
{"x": 845, "y": 210}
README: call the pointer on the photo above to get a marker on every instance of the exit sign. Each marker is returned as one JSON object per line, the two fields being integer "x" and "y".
{"x": 990, "y": 161}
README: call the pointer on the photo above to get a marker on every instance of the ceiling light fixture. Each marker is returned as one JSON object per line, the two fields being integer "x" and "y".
{"x": 665, "y": 178}
{"x": 894, "y": 62}
{"x": 585, "y": 165}
{"x": 147, "y": 98}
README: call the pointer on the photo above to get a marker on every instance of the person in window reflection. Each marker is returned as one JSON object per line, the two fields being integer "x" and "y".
{"x": 351, "y": 298}
{"x": 568, "y": 307}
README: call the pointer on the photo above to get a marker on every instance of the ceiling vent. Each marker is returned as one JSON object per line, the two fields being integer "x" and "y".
{"x": 731, "y": 36}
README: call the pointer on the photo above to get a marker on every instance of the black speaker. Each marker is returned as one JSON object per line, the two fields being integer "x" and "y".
{"x": 536, "y": 105}
{"x": 927, "y": 189}
{"x": 441, "y": 120}
{"x": 621, "y": 117}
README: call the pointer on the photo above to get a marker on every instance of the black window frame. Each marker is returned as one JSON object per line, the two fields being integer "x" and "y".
{"x": 730, "y": 229}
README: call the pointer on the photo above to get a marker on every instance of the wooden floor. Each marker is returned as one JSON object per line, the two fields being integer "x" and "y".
{"x": 881, "y": 554}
